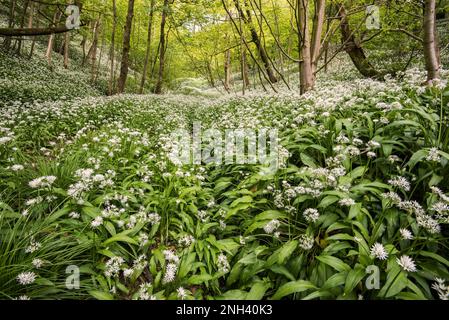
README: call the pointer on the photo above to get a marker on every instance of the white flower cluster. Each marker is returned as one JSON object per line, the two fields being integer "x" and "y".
{"x": 441, "y": 288}
{"x": 400, "y": 182}
{"x": 222, "y": 263}
{"x": 88, "y": 180}
{"x": 42, "y": 182}
{"x": 406, "y": 263}
{"x": 186, "y": 240}
{"x": 378, "y": 251}
{"x": 25, "y": 278}
{"x": 33, "y": 246}
{"x": 434, "y": 155}
{"x": 423, "y": 219}
{"x": 272, "y": 226}
{"x": 172, "y": 266}
{"x": 306, "y": 242}
{"x": 311, "y": 215}
{"x": 113, "y": 267}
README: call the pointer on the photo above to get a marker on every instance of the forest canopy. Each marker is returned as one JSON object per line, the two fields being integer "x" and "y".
{"x": 253, "y": 41}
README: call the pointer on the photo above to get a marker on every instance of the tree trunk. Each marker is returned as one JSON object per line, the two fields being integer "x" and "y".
{"x": 112, "y": 49}
{"x": 12, "y": 9}
{"x": 158, "y": 88}
{"x": 353, "y": 48}
{"x": 247, "y": 19}
{"x": 93, "y": 50}
{"x": 318, "y": 23}
{"x": 30, "y": 25}
{"x": 245, "y": 71}
{"x": 147, "y": 54}
{"x": 430, "y": 43}
{"x": 51, "y": 38}
{"x": 126, "y": 48}
{"x": 227, "y": 71}
{"x": 66, "y": 50}
{"x": 227, "y": 63}
{"x": 305, "y": 65}
{"x": 22, "y": 24}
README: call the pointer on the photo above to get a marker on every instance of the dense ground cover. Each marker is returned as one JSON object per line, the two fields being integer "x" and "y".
{"x": 86, "y": 181}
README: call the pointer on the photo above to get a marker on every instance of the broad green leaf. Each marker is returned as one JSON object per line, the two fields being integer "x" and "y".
{"x": 292, "y": 287}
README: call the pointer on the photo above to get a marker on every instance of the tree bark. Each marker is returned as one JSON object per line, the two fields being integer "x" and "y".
{"x": 353, "y": 48}
{"x": 112, "y": 49}
{"x": 158, "y": 88}
{"x": 51, "y": 38}
{"x": 66, "y": 50}
{"x": 147, "y": 54}
{"x": 12, "y": 9}
{"x": 93, "y": 51}
{"x": 22, "y": 25}
{"x": 30, "y": 25}
{"x": 245, "y": 71}
{"x": 227, "y": 70}
{"x": 430, "y": 43}
{"x": 227, "y": 63}
{"x": 126, "y": 48}
{"x": 305, "y": 65}
{"x": 33, "y": 32}
{"x": 247, "y": 20}
{"x": 318, "y": 23}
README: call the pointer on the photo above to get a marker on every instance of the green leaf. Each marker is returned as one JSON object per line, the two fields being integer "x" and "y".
{"x": 417, "y": 157}
{"x": 199, "y": 279}
{"x": 396, "y": 281}
{"x": 334, "y": 262}
{"x": 435, "y": 256}
{"x": 292, "y": 287}
{"x": 308, "y": 160}
{"x": 353, "y": 278}
{"x": 101, "y": 295}
{"x": 269, "y": 215}
{"x": 286, "y": 250}
{"x": 327, "y": 201}
{"x": 257, "y": 291}
{"x": 335, "y": 281}
{"x": 283, "y": 271}
{"x": 244, "y": 199}
{"x": 233, "y": 295}
{"x": 120, "y": 238}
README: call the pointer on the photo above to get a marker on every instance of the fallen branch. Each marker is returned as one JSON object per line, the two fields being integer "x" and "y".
{"x": 24, "y": 32}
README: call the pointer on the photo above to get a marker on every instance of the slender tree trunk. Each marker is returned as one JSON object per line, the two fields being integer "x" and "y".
{"x": 126, "y": 48}
{"x": 247, "y": 20}
{"x": 353, "y": 48}
{"x": 66, "y": 50}
{"x": 97, "y": 71}
{"x": 112, "y": 49}
{"x": 30, "y": 25}
{"x": 22, "y": 25}
{"x": 83, "y": 47}
{"x": 430, "y": 43}
{"x": 51, "y": 38}
{"x": 227, "y": 64}
{"x": 318, "y": 23}
{"x": 93, "y": 50}
{"x": 158, "y": 88}
{"x": 147, "y": 54}
{"x": 12, "y": 9}
{"x": 305, "y": 65}
{"x": 326, "y": 48}
{"x": 210, "y": 74}
{"x": 94, "y": 45}
{"x": 245, "y": 70}
{"x": 227, "y": 70}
